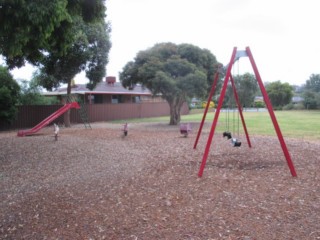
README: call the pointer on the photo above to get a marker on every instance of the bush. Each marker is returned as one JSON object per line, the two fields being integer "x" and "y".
{"x": 277, "y": 108}
{"x": 288, "y": 106}
{"x": 9, "y": 95}
{"x": 298, "y": 106}
{"x": 259, "y": 105}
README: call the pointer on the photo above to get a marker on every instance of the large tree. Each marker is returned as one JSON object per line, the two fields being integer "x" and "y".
{"x": 9, "y": 95}
{"x": 62, "y": 37}
{"x": 175, "y": 72}
{"x": 30, "y": 29}
{"x": 88, "y": 53}
{"x": 280, "y": 94}
{"x": 313, "y": 83}
{"x": 27, "y": 28}
{"x": 311, "y": 99}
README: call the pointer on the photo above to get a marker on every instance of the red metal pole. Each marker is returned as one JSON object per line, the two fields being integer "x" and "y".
{"x": 216, "y": 116}
{"x": 213, "y": 88}
{"x": 240, "y": 110}
{"x": 271, "y": 113}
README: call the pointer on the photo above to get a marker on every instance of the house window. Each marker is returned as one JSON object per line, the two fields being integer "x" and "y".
{"x": 98, "y": 98}
{"x": 136, "y": 99}
{"x": 117, "y": 99}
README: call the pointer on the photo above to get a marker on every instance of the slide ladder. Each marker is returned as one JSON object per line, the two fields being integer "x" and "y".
{"x": 82, "y": 111}
{"x": 84, "y": 116}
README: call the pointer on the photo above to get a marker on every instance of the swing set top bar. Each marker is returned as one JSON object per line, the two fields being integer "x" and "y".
{"x": 239, "y": 54}
{"x": 227, "y": 70}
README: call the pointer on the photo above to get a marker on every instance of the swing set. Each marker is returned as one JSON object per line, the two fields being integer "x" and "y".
{"x": 236, "y": 55}
{"x": 227, "y": 134}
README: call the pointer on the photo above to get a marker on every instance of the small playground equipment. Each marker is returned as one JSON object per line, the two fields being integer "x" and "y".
{"x": 204, "y": 104}
{"x": 48, "y": 120}
{"x": 185, "y": 129}
{"x": 227, "y": 73}
{"x": 56, "y": 131}
{"x": 125, "y": 129}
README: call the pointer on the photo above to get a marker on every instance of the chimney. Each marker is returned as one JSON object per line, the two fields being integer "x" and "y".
{"x": 110, "y": 80}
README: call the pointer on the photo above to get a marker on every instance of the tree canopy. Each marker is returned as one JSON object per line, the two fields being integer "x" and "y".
{"x": 88, "y": 53}
{"x": 279, "y": 93}
{"x": 313, "y": 83}
{"x": 61, "y": 37}
{"x": 21, "y": 21}
{"x": 9, "y": 95}
{"x": 246, "y": 86}
{"x": 175, "y": 72}
{"x": 30, "y": 29}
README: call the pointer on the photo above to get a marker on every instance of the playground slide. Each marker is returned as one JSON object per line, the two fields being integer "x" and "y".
{"x": 49, "y": 119}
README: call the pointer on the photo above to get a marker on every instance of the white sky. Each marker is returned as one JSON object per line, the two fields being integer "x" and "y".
{"x": 283, "y": 35}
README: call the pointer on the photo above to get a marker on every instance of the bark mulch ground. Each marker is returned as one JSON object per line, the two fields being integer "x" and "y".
{"x": 97, "y": 184}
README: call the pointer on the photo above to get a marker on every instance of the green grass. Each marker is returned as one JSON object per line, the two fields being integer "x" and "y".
{"x": 293, "y": 124}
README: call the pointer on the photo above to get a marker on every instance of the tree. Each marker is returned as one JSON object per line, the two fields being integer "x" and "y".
{"x": 71, "y": 36}
{"x": 279, "y": 93}
{"x": 246, "y": 86}
{"x": 176, "y": 72}
{"x": 313, "y": 83}
{"x": 78, "y": 43}
{"x": 52, "y": 22}
{"x": 89, "y": 53}
{"x": 21, "y": 21}
{"x": 30, "y": 94}
{"x": 311, "y": 99}
{"x": 9, "y": 95}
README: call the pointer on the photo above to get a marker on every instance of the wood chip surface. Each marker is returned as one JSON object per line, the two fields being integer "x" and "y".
{"x": 98, "y": 184}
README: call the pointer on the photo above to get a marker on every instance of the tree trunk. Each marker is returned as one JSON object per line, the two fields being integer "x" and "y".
{"x": 67, "y": 113}
{"x": 175, "y": 107}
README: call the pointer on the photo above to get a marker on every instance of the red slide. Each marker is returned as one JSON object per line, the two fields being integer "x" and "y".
{"x": 48, "y": 120}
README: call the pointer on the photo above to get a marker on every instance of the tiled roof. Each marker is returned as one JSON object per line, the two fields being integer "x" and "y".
{"x": 102, "y": 88}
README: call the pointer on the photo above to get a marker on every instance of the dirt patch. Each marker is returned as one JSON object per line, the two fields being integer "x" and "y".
{"x": 97, "y": 184}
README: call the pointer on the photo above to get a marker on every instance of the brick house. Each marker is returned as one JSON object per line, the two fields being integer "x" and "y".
{"x": 108, "y": 91}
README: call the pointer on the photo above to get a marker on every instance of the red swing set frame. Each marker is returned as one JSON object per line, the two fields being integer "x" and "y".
{"x": 235, "y": 57}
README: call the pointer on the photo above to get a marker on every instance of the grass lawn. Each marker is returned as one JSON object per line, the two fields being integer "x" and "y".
{"x": 295, "y": 124}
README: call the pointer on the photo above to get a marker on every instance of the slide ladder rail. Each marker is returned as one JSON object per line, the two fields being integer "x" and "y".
{"x": 82, "y": 110}
{"x": 84, "y": 116}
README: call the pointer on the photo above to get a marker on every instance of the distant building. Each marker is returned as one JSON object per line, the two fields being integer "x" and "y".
{"x": 108, "y": 91}
{"x": 297, "y": 99}
{"x": 258, "y": 99}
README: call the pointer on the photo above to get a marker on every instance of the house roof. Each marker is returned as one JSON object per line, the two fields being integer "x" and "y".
{"x": 102, "y": 88}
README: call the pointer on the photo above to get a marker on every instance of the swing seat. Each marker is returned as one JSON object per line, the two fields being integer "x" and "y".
{"x": 235, "y": 142}
{"x": 227, "y": 134}
{"x": 185, "y": 129}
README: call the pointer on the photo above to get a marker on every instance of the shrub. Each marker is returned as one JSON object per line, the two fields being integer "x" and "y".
{"x": 288, "y": 106}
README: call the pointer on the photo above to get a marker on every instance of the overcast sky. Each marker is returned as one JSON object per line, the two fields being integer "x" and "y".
{"x": 283, "y": 36}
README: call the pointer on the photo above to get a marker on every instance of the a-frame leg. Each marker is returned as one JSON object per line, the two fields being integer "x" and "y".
{"x": 213, "y": 88}
{"x": 271, "y": 113}
{"x": 216, "y": 116}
